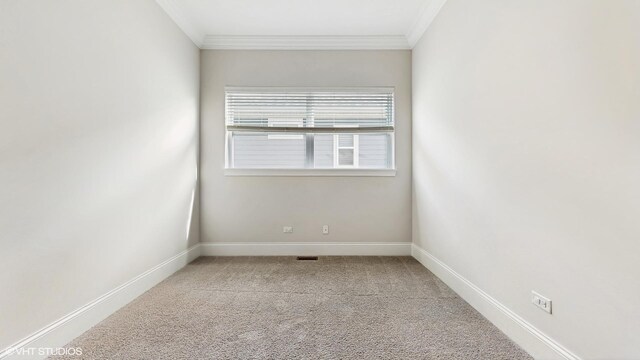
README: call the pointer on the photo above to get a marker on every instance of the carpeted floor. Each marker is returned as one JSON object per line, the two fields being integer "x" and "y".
{"x": 282, "y": 308}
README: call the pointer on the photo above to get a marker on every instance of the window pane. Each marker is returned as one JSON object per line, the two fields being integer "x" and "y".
{"x": 345, "y": 140}
{"x": 345, "y": 157}
{"x": 258, "y": 151}
{"x": 323, "y": 151}
{"x": 374, "y": 151}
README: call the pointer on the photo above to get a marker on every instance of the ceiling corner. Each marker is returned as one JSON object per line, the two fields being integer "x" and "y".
{"x": 172, "y": 8}
{"x": 426, "y": 16}
{"x": 301, "y": 42}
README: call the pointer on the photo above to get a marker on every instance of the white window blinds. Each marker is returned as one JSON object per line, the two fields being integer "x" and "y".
{"x": 360, "y": 119}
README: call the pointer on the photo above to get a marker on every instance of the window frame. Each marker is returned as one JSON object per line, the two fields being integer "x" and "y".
{"x": 337, "y": 170}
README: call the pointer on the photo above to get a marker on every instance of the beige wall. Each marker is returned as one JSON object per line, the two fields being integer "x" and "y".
{"x": 254, "y": 209}
{"x": 98, "y": 146}
{"x": 526, "y": 161}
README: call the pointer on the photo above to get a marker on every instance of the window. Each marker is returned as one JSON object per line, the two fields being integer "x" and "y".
{"x": 310, "y": 129}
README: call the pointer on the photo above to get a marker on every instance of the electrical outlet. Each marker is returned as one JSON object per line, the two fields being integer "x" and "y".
{"x": 287, "y": 229}
{"x": 541, "y": 301}
{"x": 325, "y": 229}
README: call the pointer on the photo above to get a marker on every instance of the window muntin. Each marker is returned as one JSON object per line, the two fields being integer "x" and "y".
{"x": 274, "y": 128}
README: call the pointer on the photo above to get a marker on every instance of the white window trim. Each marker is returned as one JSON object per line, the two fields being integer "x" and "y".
{"x": 311, "y": 172}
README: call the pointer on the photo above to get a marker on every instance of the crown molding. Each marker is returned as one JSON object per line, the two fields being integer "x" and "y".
{"x": 172, "y": 8}
{"x": 426, "y": 16}
{"x": 303, "y": 42}
{"x": 288, "y": 42}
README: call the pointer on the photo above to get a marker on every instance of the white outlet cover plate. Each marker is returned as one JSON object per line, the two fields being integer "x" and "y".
{"x": 541, "y": 301}
{"x": 287, "y": 229}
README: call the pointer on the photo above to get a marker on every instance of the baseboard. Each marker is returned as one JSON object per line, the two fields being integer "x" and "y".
{"x": 62, "y": 331}
{"x": 67, "y": 328}
{"x": 311, "y": 248}
{"x": 531, "y": 339}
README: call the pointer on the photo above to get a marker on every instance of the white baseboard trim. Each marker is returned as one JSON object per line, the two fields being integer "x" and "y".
{"x": 523, "y": 333}
{"x": 67, "y": 328}
{"x": 306, "y": 249}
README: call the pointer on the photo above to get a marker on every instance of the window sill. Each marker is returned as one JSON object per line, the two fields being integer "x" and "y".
{"x": 310, "y": 172}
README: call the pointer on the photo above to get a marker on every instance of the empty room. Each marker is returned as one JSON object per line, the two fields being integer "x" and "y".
{"x": 320, "y": 179}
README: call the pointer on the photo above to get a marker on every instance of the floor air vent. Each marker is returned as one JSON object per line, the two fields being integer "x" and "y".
{"x": 307, "y": 258}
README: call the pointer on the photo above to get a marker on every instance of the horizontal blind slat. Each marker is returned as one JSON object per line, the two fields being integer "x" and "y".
{"x": 359, "y": 108}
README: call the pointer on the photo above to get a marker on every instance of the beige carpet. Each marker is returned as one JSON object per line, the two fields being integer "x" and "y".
{"x": 281, "y": 308}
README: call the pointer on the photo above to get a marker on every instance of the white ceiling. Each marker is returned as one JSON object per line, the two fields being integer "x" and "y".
{"x": 302, "y": 17}
{"x": 303, "y": 23}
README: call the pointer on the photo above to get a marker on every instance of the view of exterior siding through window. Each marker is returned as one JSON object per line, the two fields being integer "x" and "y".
{"x": 258, "y": 150}
{"x": 310, "y": 129}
